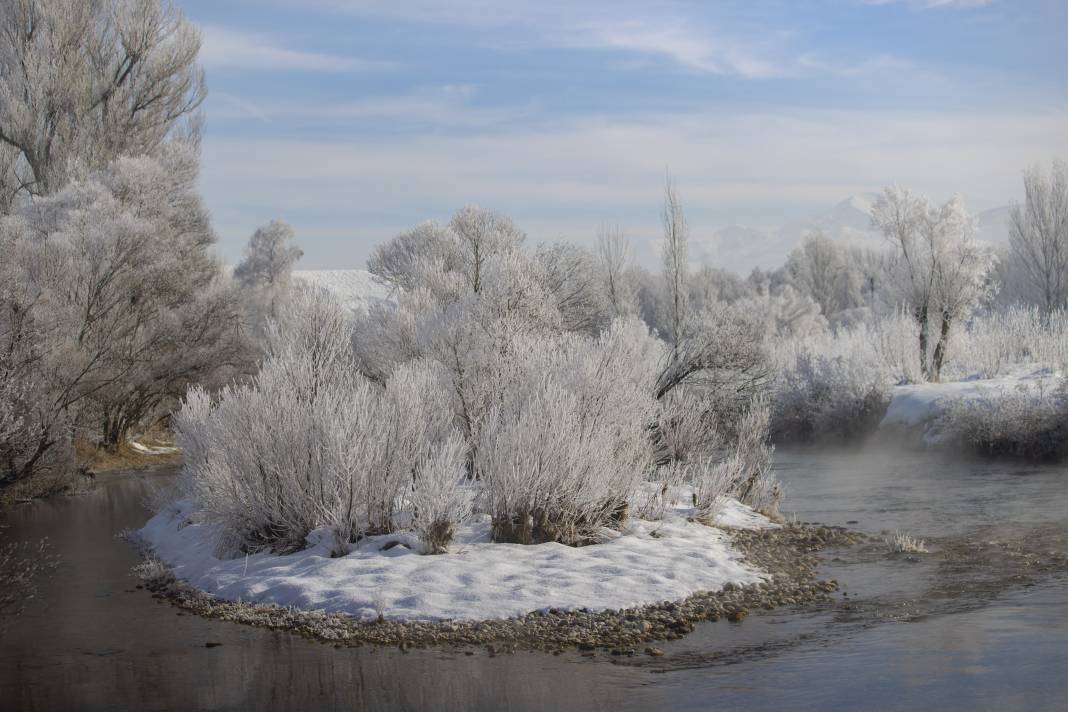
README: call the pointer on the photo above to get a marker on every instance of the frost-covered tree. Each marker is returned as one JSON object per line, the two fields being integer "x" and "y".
{"x": 1038, "y": 235}
{"x": 83, "y": 82}
{"x": 938, "y": 271}
{"x": 784, "y": 312}
{"x": 482, "y": 235}
{"x": 709, "y": 285}
{"x": 674, "y": 251}
{"x": 404, "y": 261}
{"x": 817, "y": 268}
{"x": 614, "y": 261}
{"x": 570, "y": 276}
{"x": 121, "y": 298}
{"x": 265, "y": 271}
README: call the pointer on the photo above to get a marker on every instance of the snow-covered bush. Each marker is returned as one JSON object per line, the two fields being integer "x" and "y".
{"x": 312, "y": 443}
{"x": 1028, "y": 422}
{"x": 784, "y": 312}
{"x": 897, "y": 337}
{"x": 993, "y": 343}
{"x": 571, "y": 280}
{"x": 720, "y": 358}
{"x": 742, "y": 471}
{"x": 565, "y": 448}
{"x": 495, "y": 381}
{"x": 439, "y": 500}
{"x": 834, "y": 385}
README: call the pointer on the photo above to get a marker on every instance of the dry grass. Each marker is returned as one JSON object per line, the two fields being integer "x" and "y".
{"x": 899, "y": 543}
{"x": 125, "y": 457}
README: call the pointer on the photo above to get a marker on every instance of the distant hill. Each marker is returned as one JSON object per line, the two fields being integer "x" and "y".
{"x": 356, "y": 288}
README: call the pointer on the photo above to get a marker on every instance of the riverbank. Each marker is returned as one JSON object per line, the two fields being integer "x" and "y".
{"x": 150, "y": 450}
{"x": 786, "y": 557}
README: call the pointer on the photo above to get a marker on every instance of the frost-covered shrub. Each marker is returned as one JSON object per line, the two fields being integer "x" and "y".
{"x": 494, "y": 381}
{"x": 993, "y": 343}
{"x": 833, "y": 385}
{"x": 742, "y": 471}
{"x": 785, "y": 312}
{"x": 571, "y": 280}
{"x": 1026, "y": 422}
{"x": 439, "y": 500}
{"x": 565, "y": 448}
{"x": 721, "y": 360}
{"x": 312, "y": 443}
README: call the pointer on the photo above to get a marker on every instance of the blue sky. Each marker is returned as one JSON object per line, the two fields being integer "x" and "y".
{"x": 356, "y": 119}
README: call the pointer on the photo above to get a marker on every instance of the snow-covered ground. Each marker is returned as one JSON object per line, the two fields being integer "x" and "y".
{"x": 650, "y": 562}
{"x": 916, "y": 406}
{"x": 356, "y": 288}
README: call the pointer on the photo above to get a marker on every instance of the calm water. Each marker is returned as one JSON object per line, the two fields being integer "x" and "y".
{"x": 981, "y": 623}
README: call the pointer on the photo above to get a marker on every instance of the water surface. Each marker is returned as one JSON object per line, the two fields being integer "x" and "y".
{"x": 981, "y": 623}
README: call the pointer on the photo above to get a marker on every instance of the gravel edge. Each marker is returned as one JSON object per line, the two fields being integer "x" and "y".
{"x": 789, "y": 556}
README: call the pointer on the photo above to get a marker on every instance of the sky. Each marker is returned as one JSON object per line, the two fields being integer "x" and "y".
{"x": 356, "y": 119}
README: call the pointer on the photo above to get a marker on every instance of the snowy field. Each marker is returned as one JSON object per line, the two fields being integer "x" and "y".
{"x": 650, "y": 562}
{"x": 357, "y": 289}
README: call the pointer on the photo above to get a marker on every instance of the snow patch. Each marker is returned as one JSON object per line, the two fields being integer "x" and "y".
{"x": 152, "y": 449}
{"x": 917, "y": 405}
{"x": 736, "y": 515}
{"x": 650, "y": 562}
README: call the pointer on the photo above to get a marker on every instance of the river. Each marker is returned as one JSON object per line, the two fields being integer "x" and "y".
{"x": 981, "y": 623}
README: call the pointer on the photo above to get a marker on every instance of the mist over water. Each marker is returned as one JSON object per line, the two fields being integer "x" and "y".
{"x": 979, "y": 623}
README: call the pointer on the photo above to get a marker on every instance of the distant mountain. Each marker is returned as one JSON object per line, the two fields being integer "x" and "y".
{"x": 740, "y": 248}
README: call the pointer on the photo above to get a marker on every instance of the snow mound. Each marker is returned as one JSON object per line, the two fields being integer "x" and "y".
{"x": 915, "y": 406}
{"x": 357, "y": 289}
{"x": 650, "y": 562}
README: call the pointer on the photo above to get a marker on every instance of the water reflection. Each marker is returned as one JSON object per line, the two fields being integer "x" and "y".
{"x": 93, "y": 641}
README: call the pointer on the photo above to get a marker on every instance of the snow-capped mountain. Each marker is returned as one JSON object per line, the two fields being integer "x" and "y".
{"x": 740, "y": 248}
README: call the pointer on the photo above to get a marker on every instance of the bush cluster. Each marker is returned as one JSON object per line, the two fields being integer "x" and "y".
{"x": 497, "y": 381}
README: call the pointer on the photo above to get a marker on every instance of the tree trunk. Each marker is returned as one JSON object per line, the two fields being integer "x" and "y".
{"x": 940, "y": 348}
{"x": 921, "y": 317}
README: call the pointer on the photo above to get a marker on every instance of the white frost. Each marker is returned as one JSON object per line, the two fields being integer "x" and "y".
{"x": 649, "y": 563}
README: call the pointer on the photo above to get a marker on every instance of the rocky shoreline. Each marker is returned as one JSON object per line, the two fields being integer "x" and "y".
{"x": 788, "y": 555}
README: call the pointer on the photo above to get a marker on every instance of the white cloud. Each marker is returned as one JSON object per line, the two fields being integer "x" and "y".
{"x": 750, "y": 169}
{"x": 678, "y": 42}
{"x": 661, "y": 29}
{"x": 239, "y": 108}
{"x": 440, "y": 107}
{"x": 223, "y": 47}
